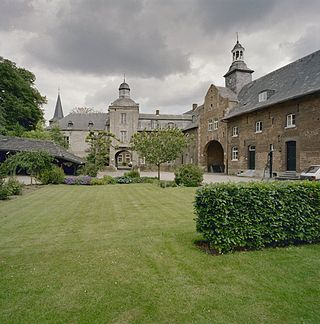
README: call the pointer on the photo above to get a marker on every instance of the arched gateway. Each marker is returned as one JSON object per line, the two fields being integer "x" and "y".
{"x": 123, "y": 159}
{"x": 214, "y": 157}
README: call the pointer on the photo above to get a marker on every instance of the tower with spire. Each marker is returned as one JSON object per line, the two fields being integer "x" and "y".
{"x": 238, "y": 74}
{"x": 58, "y": 112}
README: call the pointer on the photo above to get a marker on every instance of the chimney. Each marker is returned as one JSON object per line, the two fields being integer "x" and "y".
{"x": 194, "y": 107}
{"x": 157, "y": 112}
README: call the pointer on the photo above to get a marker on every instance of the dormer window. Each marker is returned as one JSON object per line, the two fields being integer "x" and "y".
{"x": 263, "y": 96}
{"x": 70, "y": 123}
{"x": 170, "y": 125}
{"x": 90, "y": 124}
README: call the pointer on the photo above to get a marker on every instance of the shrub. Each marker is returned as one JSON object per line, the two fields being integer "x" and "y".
{"x": 80, "y": 180}
{"x": 97, "y": 182}
{"x": 4, "y": 190}
{"x": 145, "y": 180}
{"x": 109, "y": 180}
{"x": 53, "y": 176}
{"x": 89, "y": 169}
{"x": 124, "y": 180}
{"x": 189, "y": 175}
{"x": 167, "y": 183}
{"x": 255, "y": 215}
{"x": 132, "y": 174}
{"x": 14, "y": 187}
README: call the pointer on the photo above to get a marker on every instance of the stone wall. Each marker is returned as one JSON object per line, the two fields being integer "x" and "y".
{"x": 306, "y": 134}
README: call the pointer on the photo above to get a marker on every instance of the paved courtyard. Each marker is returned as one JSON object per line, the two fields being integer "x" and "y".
{"x": 207, "y": 177}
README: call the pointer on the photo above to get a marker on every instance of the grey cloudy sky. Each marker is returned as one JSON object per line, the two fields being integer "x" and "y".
{"x": 170, "y": 50}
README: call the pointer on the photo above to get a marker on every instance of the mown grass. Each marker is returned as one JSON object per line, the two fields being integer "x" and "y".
{"x": 126, "y": 253}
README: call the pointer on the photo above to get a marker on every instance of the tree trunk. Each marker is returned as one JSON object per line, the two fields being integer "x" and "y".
{"x": 158, "y": 165}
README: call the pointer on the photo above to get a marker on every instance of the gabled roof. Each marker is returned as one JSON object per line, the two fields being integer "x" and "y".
{"x": 292, "y": 81}
{"x": 80, "y": 121}
{"x": 20, "y": 144}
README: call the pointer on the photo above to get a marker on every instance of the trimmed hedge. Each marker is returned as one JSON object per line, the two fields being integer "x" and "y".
{"x": 255, "y": 215}
{"x": 188, "y": 175}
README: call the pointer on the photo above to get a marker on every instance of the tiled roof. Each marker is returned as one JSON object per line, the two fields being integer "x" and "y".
{"x": 19, "y": 144}
{"x": 294, "y": 80}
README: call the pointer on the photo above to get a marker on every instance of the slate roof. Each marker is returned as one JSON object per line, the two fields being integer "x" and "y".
{"x": 58, "y": 112}
{"x": 227, "y": 93}
{"x": 81, "y": 121}
{"x": 124, "y": 102}
{"x": 165, "y": 117}
{"x": 19, "y": 144}
{"x": 292, "y": 81}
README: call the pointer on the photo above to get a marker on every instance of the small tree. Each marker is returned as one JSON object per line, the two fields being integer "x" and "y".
{"x": 160, "y": 145}
{"x": 34, "y": 162}
{"x": 52, "y": 134}
{"x": 99, "y": 148}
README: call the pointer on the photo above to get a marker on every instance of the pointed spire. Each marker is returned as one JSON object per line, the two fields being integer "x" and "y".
{"x": 58, "y": 112}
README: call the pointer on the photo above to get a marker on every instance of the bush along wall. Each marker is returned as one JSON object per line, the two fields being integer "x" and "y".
{"x": 255, "y": 215}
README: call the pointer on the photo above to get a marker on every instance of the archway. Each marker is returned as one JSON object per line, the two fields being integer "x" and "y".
{"x": 215, "y": 157}
{"x": 123, "y": 159}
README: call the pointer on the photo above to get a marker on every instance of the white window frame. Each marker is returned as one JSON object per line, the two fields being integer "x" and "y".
{"x": 215, "y": 124}
{"x": 123, "y": 136}
{"x": 291, "y": 121}
{"x": 123, "y": 118}
{"x": 120, "y": 158}
{"x": 263, "y": 96}
{"x": 234, "y": 153}
{"x": 235, "y": 131}
{"x": 259, "y": 126}
{"x": 210, "y": 125}
{"x": 154, "y": 124}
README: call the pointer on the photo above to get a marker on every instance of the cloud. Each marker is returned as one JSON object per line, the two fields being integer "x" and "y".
{"x": 105, "y": 38}
{"x": 306, "y": 44}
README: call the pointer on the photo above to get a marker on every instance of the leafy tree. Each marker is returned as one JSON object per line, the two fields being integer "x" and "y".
{"x": 34, "y": 162}
{"x": 99, "y": 148}
{"x": 161, "y": 145}
{"x": 52, "y": 134}
{"x": 20, "y": 101}
{"x": 83, "y": 110}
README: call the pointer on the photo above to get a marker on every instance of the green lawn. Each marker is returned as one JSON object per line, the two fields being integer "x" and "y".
{"x": 125, "y": 253}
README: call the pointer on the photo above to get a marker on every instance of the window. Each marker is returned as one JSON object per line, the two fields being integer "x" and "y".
{"x": 263, "y": 96}
{"x": 128, "y": 158}
{"x": 154, "y": 124}
{"x": 291, "y": 120}
{"x": 234, "y": 153}
{"x": 210, "y": 125}
{"x": 123, "y": 136}
{"x": 170, "y": 125}
{"x": 215, "y": 124}
{"x": 235, "y": 131}
{"x": 90, "y": 124}
{"x": 123, "y": 118}
{"x": 70, "y": 123}
{"x": 271, "y": 148}
{"x": 66, "y": 139}
{"x": 120, "y": 158}
{"x": 259, "y": 127}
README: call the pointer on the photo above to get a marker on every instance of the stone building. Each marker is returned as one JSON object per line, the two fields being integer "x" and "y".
{"x": 236, "y": 127}
{"x": 240, "y": 124}
{"x": 123, "y": 119}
